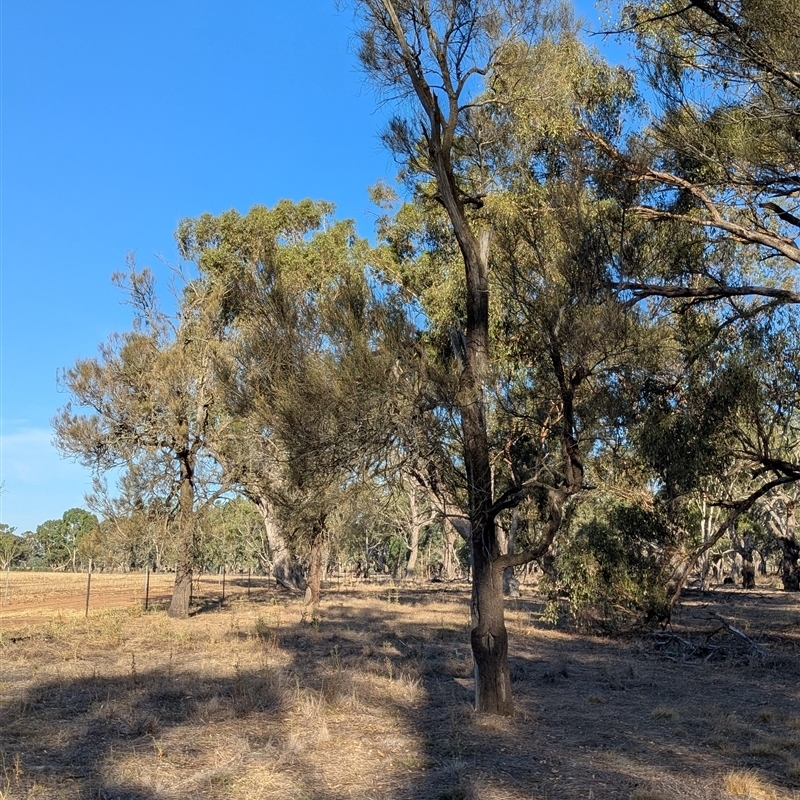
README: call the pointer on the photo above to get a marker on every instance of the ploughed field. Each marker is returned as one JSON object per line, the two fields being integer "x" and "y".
{"x": 255, "y": 697}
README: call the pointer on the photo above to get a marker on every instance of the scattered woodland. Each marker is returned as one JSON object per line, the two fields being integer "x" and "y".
{"x": 370, "y": 697}
{"x": 570, "y": 350}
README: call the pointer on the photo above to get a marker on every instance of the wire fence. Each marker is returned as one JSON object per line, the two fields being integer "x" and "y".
{"x": 27, "y": 597}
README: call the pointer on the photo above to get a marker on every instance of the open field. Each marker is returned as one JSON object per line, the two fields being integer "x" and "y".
{"x": 37, "y": 597}
{"x": 371, "y": 699}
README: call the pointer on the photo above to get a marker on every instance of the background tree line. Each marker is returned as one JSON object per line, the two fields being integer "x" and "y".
{"x": 573, "y": 342}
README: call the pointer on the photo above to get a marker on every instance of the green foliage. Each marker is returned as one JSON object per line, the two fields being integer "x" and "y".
{"x": 685, "y": 438}
{"x": 69, "y": 542}
{"x": 613, "y": 571}
{"x": 725, "y": 88}
{"x": 229, "y": 535}
{"x": 13, "y": 548}
{"x": 302, "y": 355}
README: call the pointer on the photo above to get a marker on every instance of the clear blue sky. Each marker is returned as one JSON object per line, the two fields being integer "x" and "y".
{"x": 118, "y": 120}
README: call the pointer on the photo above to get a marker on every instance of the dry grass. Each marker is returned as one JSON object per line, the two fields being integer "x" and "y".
{"x": 749, "y": 784}
{"x": 371, "y": 699}
{"x": 39, "y": 597}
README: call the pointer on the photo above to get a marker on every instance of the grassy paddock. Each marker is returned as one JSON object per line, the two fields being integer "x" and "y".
{"x": 371, "y": 698}
{"x": 34, "y": 597}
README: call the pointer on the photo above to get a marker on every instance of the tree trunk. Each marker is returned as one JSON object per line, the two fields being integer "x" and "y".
{"x": 455, "y": 525}
{"x": 745, "y": 550}
{"x": 471, "y": 351}
{"x": 708, "y": 518}
{"x": 790, "y": 570}
{"x": 736, "y": 570}
{"x": 748, "y": 573}
{"x": 507, "y": 541}
{"x": 182, "y": 590}
{"x": 489, "y": 640}
{"x": 421, "y": 515}
{"x": 413, "y": 552}
{"x": 748, "y": 568}
{"x": 449, "y": 557}
{"x": 489, "y": 637}
{"x": 316, "y": 562}
{"x": 285, "y": 569}
{"x": 790, "y": 550}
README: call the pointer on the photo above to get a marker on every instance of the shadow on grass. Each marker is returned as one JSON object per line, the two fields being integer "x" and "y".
{"x": 373, "y": 700}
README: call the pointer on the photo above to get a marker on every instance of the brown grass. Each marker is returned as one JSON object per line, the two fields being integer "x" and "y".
{"x": 371, "y": 698}
{"x": 748, "y": 784}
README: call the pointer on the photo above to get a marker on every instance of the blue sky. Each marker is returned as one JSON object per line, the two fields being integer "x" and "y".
{"x": 118, "y": 120}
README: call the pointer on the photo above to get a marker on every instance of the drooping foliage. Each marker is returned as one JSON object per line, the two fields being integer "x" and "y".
{"x": 574, "y": 343}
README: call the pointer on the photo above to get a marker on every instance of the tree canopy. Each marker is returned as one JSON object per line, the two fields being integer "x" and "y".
{"x": 573, "y": 342}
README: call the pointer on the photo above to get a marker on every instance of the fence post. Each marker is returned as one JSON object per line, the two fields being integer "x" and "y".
{"x": 223, "y": 584}
{"x": 88, "y": 587}
{"x": 248, "y": 582}
{"x": 146, "y": 587}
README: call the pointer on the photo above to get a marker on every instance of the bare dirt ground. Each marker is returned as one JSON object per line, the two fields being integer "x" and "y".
{"x": 29, "y": 598}
{"x": 372, "y": 699}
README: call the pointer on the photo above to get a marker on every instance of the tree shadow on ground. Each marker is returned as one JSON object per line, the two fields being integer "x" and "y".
{"x": 373, "y": 700}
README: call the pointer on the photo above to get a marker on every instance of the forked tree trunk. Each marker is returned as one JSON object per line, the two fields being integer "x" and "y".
{"x": 285, "y": 569}
{"x": 419, "y": 517}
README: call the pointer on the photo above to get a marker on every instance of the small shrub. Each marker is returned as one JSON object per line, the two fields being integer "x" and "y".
{"x": 613, "y": 572}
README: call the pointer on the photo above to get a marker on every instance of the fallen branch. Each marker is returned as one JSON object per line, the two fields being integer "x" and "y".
{"x": 757, "y": 647}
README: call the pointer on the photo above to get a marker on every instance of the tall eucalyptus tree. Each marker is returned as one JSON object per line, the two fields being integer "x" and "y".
{"x": 485, "y": 87}
{"x": 311, "y": 347}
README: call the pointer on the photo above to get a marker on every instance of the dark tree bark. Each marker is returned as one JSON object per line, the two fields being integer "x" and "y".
{"x": 790, "y": 569}
{"x": 748, "y": 574}
{"x": 489, "y": 639}
{"x": 181, "y": 590}
{"x": 439, "y": 122}
{"x": 745, "y": 550}
{"x": 429, "y": 50}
